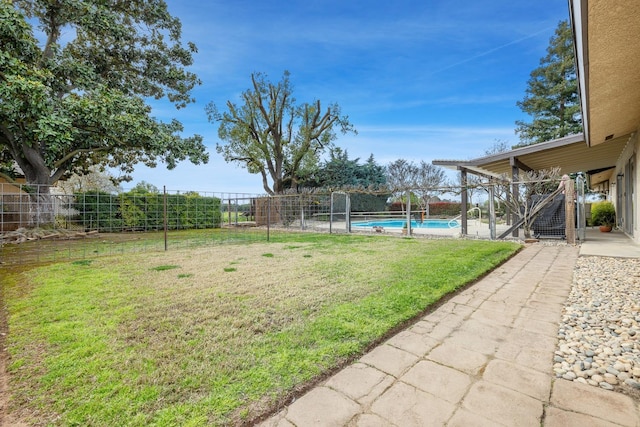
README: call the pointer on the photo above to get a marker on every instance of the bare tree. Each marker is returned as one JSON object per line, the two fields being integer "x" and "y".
{"x": 424, "y": 180}
{"x": 473, "y": 184}
{"x": 535, "y": 187}
{"x": 95, "y": 180}
{"x": 429, "y": 180}
{"x": 400, "y": 178}
{"x": 269, "y": 134}
{"x": 498, "y": 146}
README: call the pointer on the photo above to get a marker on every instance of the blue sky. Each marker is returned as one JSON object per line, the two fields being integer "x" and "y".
{"x": 420, "y": 80}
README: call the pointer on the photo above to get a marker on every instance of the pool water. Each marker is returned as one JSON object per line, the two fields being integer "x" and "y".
{"x": 399, "y": 223}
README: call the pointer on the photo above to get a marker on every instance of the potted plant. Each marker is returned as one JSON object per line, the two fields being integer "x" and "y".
{"x": 603, "y": 214}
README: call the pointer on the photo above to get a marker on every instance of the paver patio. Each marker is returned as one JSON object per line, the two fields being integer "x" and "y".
{"x": 482, "y": 358}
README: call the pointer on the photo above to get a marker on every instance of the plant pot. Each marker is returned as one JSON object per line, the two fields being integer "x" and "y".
{"x": 605, "y": 228}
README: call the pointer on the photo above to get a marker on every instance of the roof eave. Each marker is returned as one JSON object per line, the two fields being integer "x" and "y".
{"x": 506, "y": 155}
{"x": 579, "y": 26}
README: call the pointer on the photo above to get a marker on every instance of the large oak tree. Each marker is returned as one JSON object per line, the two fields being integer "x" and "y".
{"x": 73, "y": 92}
{"x": 269, "y": 134}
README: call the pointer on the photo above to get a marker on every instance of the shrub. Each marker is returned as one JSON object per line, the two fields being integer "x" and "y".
{"x": 134, "y": 211}
{"x": 603, "y": 213}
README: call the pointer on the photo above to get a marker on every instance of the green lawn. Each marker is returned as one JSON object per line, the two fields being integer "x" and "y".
{"x": 215, "y": 335}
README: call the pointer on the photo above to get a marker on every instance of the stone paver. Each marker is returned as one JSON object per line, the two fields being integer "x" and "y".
{"x": 519, "y": 378}
{"x": 539, "y": 326}
{"x": 558, "y": 418}
{"x": 322, "y": 407}
{"x": 407, "y": 406}
{"x": 389, "y": 359}
{"x": 459, "y": 358}
{"x": 369, "y": 420}
{"x": 357, "y": 381}
{"x": 464, "y": 418}
{"x": 596, "y": 402}
{"x": 413, "y": 342}
{"x": 532, "y": 358}
{"x": 492, "y": 317}
{"x": 484, "y": 358}
{"x": 502, "y": 405}
{"x": 446, "y": 383}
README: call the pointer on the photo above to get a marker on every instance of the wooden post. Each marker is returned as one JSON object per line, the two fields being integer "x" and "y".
{"x": 164, "y": 216}
{"x": 492, "y": 212}
{"x": 515, "y": 194}
{"x": 569, "y": 211}
{"x": 464, "y": 229}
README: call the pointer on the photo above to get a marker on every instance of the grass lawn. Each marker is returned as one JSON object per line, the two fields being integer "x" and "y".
{"x": 214, "y": 335}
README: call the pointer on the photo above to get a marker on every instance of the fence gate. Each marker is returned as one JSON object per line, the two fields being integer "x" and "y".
{"x": 339, "y": 215}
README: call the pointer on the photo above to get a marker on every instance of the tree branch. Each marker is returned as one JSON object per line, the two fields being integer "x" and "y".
{"x": 8, "y": 137}
{"x": 52, "y": 37}
{"x": 72, "y": 154}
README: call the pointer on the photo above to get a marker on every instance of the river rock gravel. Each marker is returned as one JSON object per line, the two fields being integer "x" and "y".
{"x": 599, "y": 334}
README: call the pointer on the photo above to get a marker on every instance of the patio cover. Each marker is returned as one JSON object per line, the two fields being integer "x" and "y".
{"x": 571, "y": 154}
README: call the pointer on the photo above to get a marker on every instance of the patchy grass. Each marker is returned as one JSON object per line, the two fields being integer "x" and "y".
{"x": 164, "y": 267}
{"x": 109, "y": 344}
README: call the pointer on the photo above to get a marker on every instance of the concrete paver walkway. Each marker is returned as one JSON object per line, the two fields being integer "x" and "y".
{"x": 484, "y": 358}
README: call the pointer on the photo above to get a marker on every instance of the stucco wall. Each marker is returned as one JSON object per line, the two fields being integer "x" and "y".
{"x": 14, "y": 206}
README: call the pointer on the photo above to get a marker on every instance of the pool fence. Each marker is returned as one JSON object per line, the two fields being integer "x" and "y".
{"x": 30, "y": 214}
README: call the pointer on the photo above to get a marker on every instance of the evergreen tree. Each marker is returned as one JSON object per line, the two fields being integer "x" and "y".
{"x": 340, "y": 172}
{"x": 552, "y": 93}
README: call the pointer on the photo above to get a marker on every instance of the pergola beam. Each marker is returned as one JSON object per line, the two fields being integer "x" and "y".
{"x": 514, "y": 161}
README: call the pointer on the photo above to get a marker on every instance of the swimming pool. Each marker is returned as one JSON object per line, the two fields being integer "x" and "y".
{"x": 399, "y": 223}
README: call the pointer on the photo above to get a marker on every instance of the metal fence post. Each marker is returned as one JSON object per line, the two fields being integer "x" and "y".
{"x": 331, "y": 214}
{"x": 268, "y": 218}
{"x": 347, "y": 214}
{"x": 408, "y": 196}
{"x": 164, "y": 215}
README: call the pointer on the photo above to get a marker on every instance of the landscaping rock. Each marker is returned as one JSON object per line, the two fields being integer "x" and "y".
{"x": 599, "y": 331}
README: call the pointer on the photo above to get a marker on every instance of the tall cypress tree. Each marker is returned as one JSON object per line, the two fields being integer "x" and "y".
{"x": 552, "y": 94}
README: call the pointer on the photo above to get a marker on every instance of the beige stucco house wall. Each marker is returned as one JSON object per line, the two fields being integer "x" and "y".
{"x": 14, "y": 206}
{"x": 607, "y": 39}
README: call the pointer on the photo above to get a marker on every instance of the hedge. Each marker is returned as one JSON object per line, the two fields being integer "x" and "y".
{"x": 128, "y": 211}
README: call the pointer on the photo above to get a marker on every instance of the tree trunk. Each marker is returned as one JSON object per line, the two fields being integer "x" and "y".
{"x": 39, "y": 180}
{"x": 41, "y": 207}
